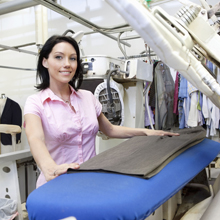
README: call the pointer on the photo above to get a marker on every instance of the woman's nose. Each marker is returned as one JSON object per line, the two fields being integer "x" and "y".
{"x": 66, "y": 63}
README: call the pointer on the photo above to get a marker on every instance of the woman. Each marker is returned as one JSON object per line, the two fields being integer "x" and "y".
{"x": 61, "y": 121}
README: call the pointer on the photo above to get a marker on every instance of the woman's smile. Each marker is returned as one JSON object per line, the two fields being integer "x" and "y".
{"x": 65, "y": 73}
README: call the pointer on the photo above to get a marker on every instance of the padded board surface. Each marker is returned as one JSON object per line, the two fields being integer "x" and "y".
{"x": 96, "y": 196}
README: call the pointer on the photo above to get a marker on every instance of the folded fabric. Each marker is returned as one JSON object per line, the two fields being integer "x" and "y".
{"x": 143, "y": 156}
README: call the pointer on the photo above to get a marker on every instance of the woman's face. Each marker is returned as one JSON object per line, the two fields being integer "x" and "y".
{"x": 61, "y": 63}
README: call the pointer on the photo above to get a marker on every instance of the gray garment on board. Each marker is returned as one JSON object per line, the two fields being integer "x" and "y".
{"x": 143, "y": 156}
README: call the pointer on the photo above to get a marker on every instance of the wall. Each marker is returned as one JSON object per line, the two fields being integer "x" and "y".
{"x": 18, "y": 28}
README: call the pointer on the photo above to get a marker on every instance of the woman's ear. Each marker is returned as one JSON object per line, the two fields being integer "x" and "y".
{"x": 45, "y": 63}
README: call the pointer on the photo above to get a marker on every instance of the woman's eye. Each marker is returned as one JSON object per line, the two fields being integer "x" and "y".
{"x": 58, "y": 57}
{"x": 72, "y": 58}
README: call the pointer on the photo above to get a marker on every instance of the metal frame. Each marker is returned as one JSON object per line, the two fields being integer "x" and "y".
{"x": 21, "y": 4}
{"x": 71, "y": 15}
{"x": 18, "y": 50}
{"x": 106, "y": 31}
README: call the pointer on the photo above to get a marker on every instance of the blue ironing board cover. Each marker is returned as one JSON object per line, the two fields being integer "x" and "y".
{"x": 96, "y": 196}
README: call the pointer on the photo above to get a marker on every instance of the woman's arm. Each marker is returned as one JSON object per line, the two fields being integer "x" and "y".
{"x": 115, "y": 131}
{"x": 35, "y": 136}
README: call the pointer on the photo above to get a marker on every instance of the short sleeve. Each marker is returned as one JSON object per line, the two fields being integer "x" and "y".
{"x": 32, "y": 105}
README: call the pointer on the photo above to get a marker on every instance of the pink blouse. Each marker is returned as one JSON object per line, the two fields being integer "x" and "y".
{"x": 69, "y": 135}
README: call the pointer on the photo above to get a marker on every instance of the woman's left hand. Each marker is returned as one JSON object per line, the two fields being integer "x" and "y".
{"x": 61, "y": 169}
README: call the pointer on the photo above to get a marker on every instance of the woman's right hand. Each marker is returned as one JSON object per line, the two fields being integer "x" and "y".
{"x": 58, "y": 170}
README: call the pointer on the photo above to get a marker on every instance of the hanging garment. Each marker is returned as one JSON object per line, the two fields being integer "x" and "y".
{"x": 175, "y": 100}
{"x": 193, "y": 113}
{"x": 143, "y": 156}
{"x": 164, "y": 93}
{"x": 149, "y": 115}
{"x": 186, "y": 106}
{"x": 217, "y": 110}
{"x": 147, "y": 120}
{"x": 181, "y": 113}
{"x": 183, "y": 99}
{"x": 11, "y": 115}
{"x": 192, "y": 118}
{"x": 205, "y": 107}
{"x": 199, "y": 108}
{"x": 152, "y": 88}
{"x": 201, "y": 105}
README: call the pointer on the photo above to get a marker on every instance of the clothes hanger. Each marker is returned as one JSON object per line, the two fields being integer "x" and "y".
{"x": 3, "y": 96}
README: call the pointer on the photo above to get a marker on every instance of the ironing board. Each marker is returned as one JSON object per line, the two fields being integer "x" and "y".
{"x": 96, "y": 196}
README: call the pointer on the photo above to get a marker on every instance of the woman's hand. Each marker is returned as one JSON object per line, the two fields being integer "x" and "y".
{"x": 58, "y": 170}
{"x": 150, "y": 132}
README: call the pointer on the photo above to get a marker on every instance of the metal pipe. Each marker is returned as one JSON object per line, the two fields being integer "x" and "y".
{"x": 41, "y": 25}
{"x": 114, "y": 38}
{"x": 64, "y": 11}
{"x": 17, "y": 68}
{"x": 22, "y": 45}
{"x": 120, "y": 47}
{"x": 67, "y": 31}
{"x": 18, "y": 50}
{"x": 69, "y": 14}
{"x": 16, "y": 5}
{"x": 136, "y": 56}
{"x": 113, "y": 31}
